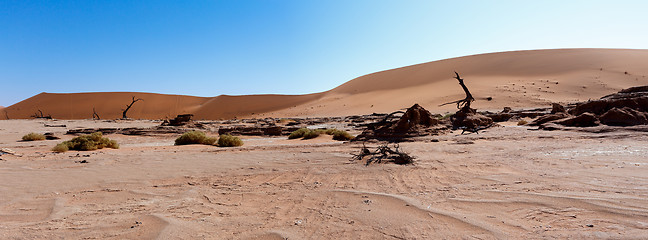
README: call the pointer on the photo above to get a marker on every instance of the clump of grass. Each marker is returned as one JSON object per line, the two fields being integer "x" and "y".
{"x": 33, "y": 137}
{"x": 306, "y": 133}
{"x": 61, "y": 147}
{"x": 227, "y": 140}
{"x": 86, "y": 142}
{"x": 299, "y": 133}
{"x": 195, "y": 137}
{"x": 341, "y": 135}
{"x": 313, "y": 133}
{"x": 522, "y": 122}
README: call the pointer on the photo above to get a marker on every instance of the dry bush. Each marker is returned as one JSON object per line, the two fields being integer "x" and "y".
{"x": 340, "y": 135}
{"x": 86, "y": 142}
{"x": 227, "y": 140}
{"x": 522, "y": 122}
{"x": 306, "y": 133}
{"x": 299, "y": 133}
{"x": 195, "y": 137}
{"x": 33, "y": 137}
{"x": 61, "y": 147}
{"x": 313, "y": 133}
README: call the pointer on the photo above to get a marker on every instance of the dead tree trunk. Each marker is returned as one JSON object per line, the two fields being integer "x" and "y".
{"x": 467, "y": 118}
{"x": 124, "y": 111}
{"x": 39, "y": 114}
{"x": 95, "y": 116}
{"x": 463, "y": 104}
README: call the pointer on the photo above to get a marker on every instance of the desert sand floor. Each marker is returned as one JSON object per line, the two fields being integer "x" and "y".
{"x": 504, "y": 183}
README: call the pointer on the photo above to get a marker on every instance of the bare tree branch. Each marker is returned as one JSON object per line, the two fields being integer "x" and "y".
{"x": 463, "y": 103}
{"x": 95, "y": 115}
{"x": 129, "y": 106}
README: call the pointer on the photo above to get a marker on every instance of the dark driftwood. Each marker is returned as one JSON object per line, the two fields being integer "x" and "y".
{"x": 40, "y": 114}
{"x": 129, "y": 106}
{"x": 95, "y": 116}
{"x": 463, "y": 103}
{"x": 384, "y": 154}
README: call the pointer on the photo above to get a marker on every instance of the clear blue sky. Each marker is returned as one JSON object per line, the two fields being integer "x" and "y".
{"x": 208, "y": 48}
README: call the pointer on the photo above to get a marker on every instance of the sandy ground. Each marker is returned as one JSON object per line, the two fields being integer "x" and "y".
{"x": 504, "y": 183}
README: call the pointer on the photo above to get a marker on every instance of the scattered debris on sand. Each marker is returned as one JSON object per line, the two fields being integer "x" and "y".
{"x": 628, "y": 107}
{"x": 416, "y": 121}
{"x": 179, "y": 120}
{"x": 7, "y": 151}
{"x": 51, "y": 136}
{"x": 384, "y": 154}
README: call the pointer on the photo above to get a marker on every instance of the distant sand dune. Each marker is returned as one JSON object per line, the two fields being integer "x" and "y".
{"x": 515, "y": 79}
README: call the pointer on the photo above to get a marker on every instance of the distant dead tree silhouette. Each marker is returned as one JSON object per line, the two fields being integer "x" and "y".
{"x": 124, "y": 111}
{"x": 95, "y": 116}
{"x": 463, "y": 103}
{"x": 39, "y": 114}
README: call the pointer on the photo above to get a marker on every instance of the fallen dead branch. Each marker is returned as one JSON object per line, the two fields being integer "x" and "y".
{"x": 384, "y": 154}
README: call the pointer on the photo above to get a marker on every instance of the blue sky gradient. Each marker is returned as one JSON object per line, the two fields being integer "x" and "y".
{"x": 208, "y": 48}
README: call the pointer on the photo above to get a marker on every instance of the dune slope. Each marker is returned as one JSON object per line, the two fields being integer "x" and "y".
{"x": 516, "y": 79}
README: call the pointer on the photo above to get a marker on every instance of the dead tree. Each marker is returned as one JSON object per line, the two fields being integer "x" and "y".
{"x": 467, "y": 118}
{"x": 39, "y": 114}
{"x": 463, "y": 103}
{"x": 124, "y": 111}
{"x": 95, "y": 116}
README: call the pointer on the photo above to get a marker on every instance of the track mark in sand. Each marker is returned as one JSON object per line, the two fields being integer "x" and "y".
{"x": 33, "y": 210}
{"x": 567, "y": 214}
{"x": 145, "y": 227}
{"x": 595, "y": 204}
{"x": 441, "y": 219}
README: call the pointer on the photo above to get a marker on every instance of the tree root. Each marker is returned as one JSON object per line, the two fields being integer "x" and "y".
{"x": 383, "y": 154}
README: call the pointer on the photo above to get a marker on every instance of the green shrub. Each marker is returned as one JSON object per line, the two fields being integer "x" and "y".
{"x": 330, "y": 131}
{"x": 33, "y": 137}
{"x": 61, "y": 147}
{"x": 86, "y": 142}
{"x": 341, "y": 135}
{"x": 313, "y": 133}
{"x": 299, "y": 133}
{"x": 227, "y": 140}
{"x": 306, "y": 133}
{"x": 195, "y": 137}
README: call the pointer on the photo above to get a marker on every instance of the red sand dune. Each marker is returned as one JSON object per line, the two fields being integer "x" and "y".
{"x": 516, "y": 79}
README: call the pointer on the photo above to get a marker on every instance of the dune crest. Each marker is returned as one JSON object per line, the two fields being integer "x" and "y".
{"x": 515, "y": 79}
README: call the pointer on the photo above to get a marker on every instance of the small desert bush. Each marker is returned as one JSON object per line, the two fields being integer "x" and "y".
{"x": 33, "y": 137}
{"x": 86, "y": 142}
{"x": 227, "y": 140}
{"x": 313, "y": 133}
{"x": 522, "y": 122}
{"x": 341, "y": 135}
{"x": 195, "y": 137}
{"x": 299, "y": 133}
{"x": 61, "y": 147}
{"x": 305, "y": 133}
